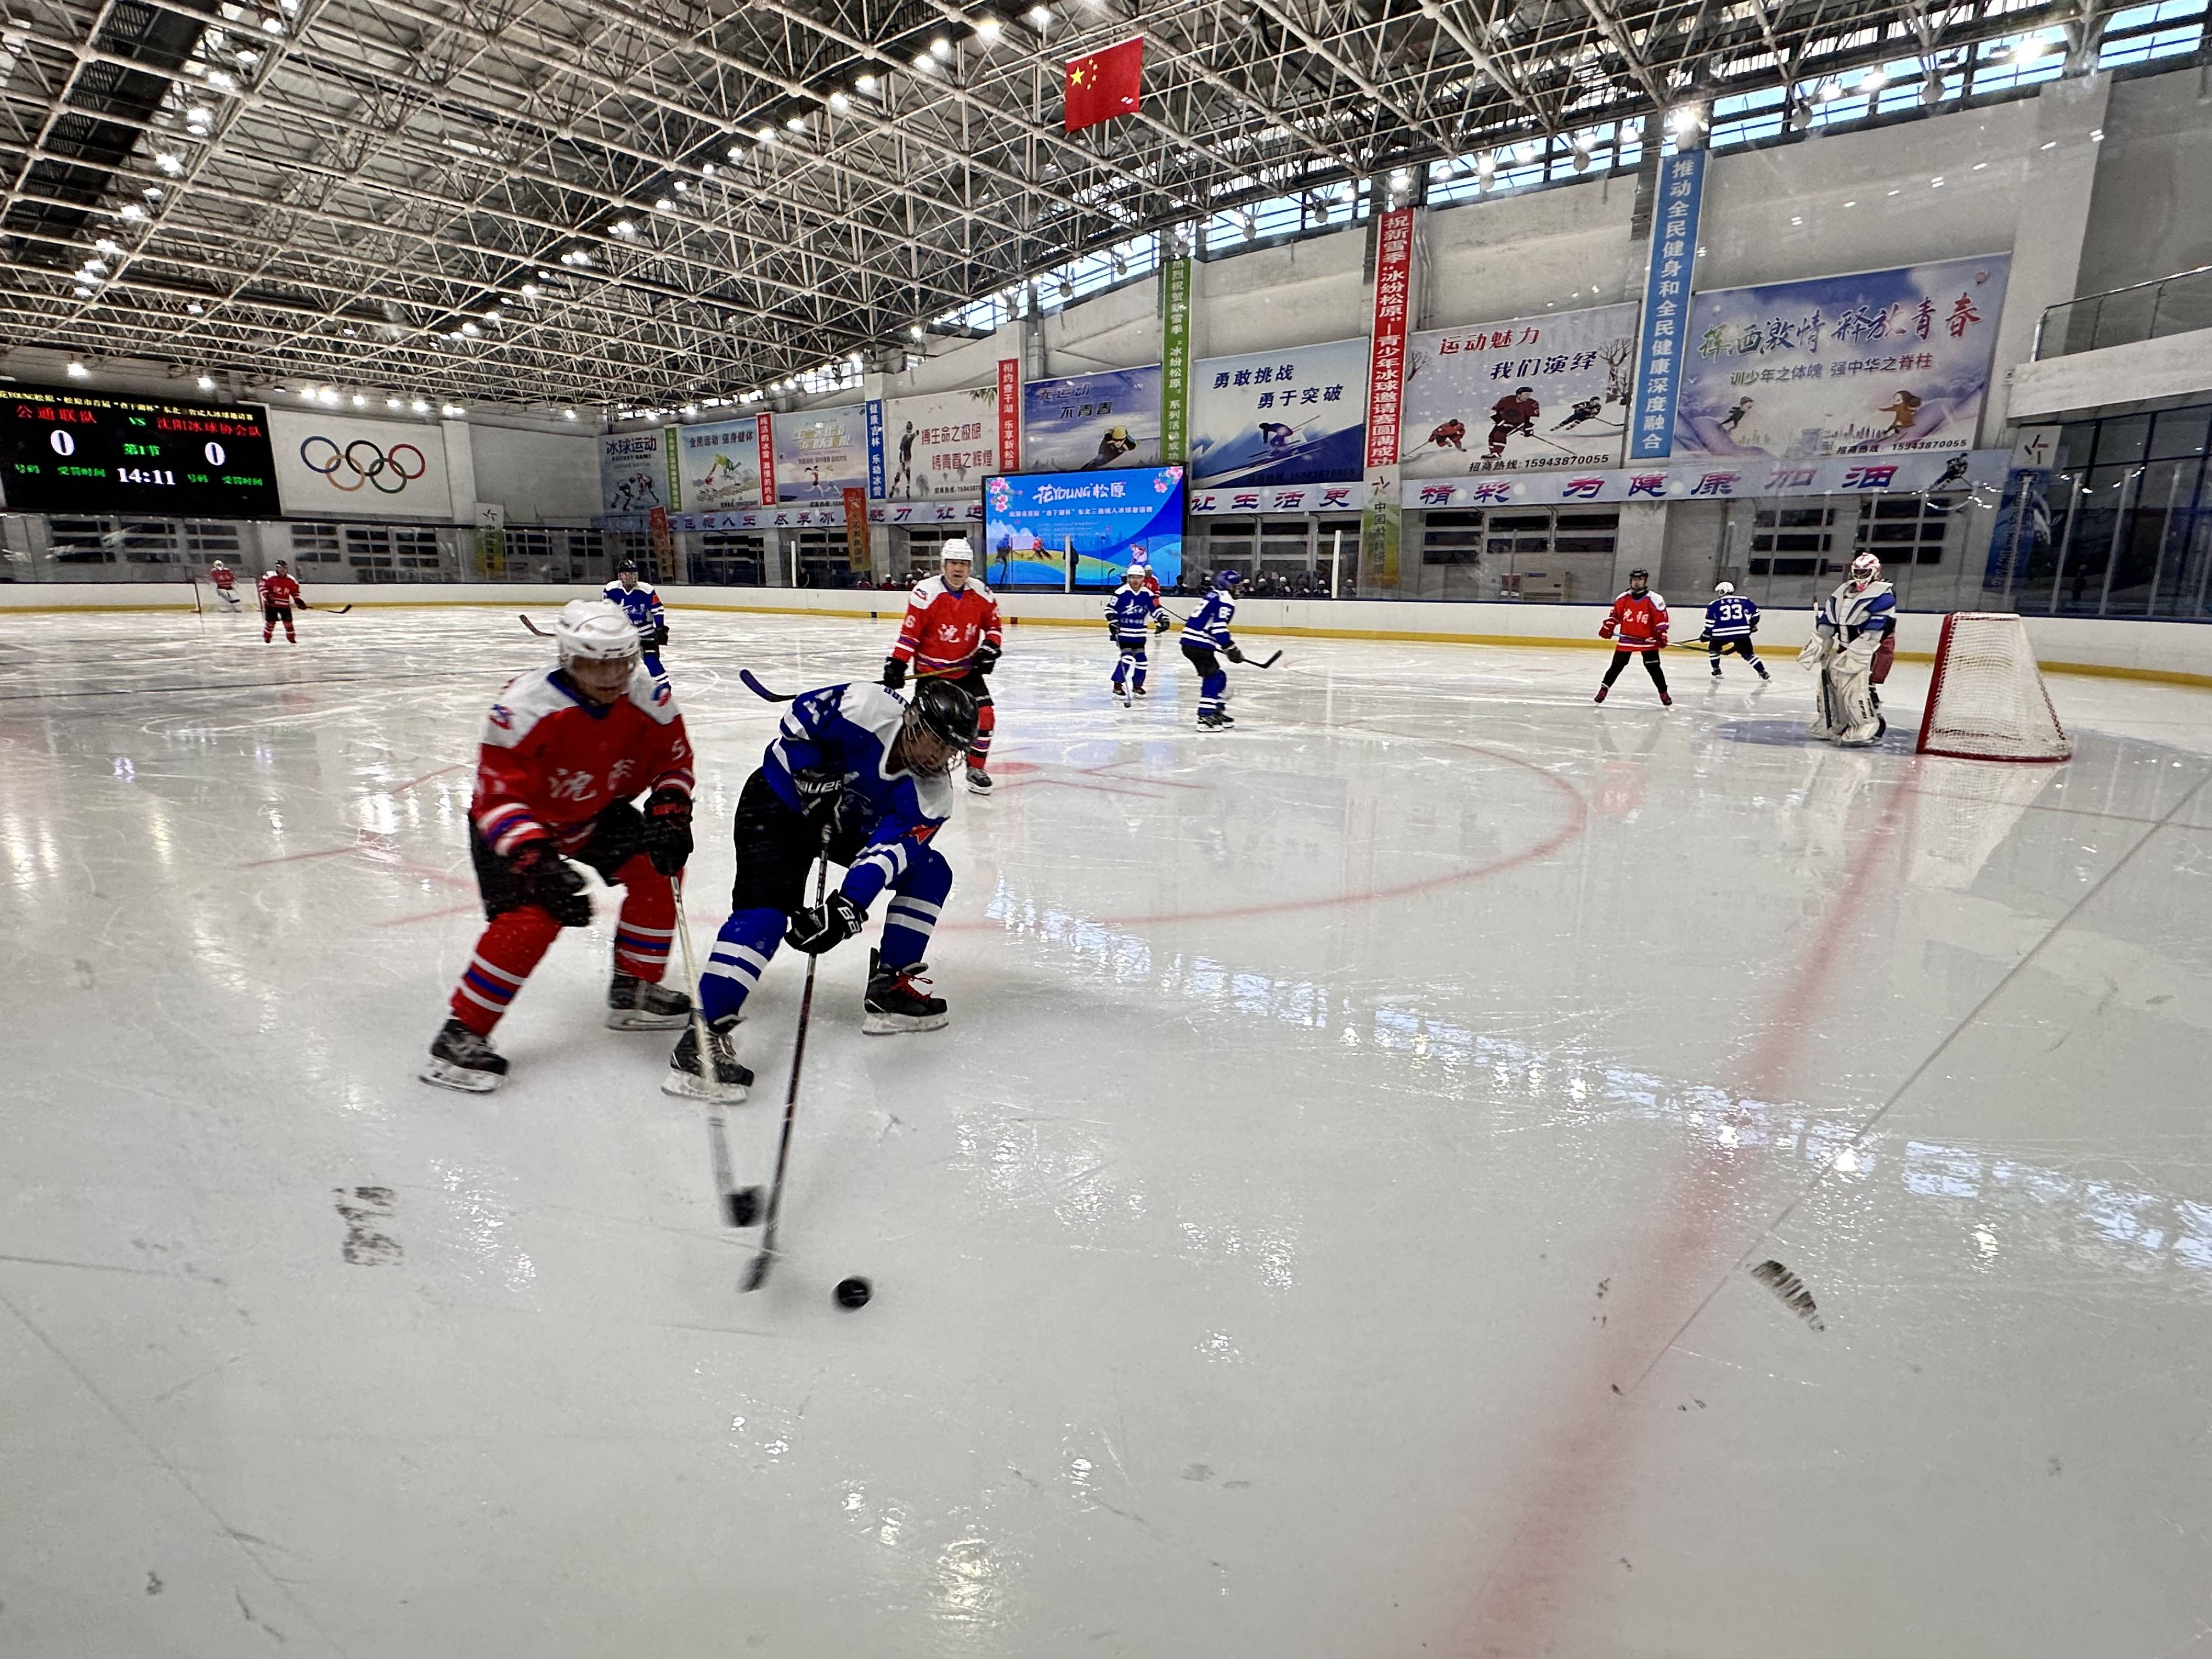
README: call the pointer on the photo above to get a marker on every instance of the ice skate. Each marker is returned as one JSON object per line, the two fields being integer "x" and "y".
{"x": 683, "y": 1078}
{"x": 894, "y": 1005}
{"x": 979, "y": 780}
{"x": 1602, "y": 690}
{"x": 637, "y": 1005}
{"x": 459, "y": 1059}
{"x": 1666, "y": 700}
{"x": 1212, "y": 719}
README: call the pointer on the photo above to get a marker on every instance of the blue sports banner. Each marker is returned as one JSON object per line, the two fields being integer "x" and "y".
{"x": 1659, "y": 356}
{"x": 1291, "y": 417}
{"x": 876, "y": 477}
{"x": 1087, "y": 422}
{"x": 1033, "y": 520}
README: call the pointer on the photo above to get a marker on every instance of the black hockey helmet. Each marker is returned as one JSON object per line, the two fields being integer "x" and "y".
{"x": 946, "y": 711}
{"x": 628, "y": 565}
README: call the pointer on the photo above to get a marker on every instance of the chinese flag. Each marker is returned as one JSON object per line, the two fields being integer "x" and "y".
{"x": 1105, "y": 84}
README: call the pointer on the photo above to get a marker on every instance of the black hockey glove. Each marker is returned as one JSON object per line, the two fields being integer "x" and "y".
{"x": 987, "y": 657}
{"x": 818, "y": 786}
{"x": 825, "y": 926}
{"x": 1161, "y": 622}
{"x": 1113, "y": 633}
{"x": 551, "y": 883}
{"x": 894, "y": 673}
{"x": 668, "y": 830}
{"x": 1235, "y": 653}
{"x": 661, "y": 636}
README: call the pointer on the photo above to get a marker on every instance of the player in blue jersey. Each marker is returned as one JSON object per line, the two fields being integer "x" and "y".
{"x": 642, "y": 606}
{"x": 1205, "y": 633}
{"x": 1130, "y": 609}
{"x": 1730, "y": 620}
{"x": 858, "y": 775}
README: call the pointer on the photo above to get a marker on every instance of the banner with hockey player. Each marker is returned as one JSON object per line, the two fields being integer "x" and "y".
{"x": 820, "y": 452}
{"x": 1531, "y": 394}
{"x": 328, "y": 466}
{"x": 1085, "y": 423}
{"x": 1881, "y": 362}
{"x": 633, "y": 471}
{"x": 1294, "y": 417}
{"x": 1033, "y": 521}
{"x": 942, "y": 446}
{"x": 717, "y": 466}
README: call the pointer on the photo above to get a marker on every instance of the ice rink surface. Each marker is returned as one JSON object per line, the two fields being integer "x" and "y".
{"x": 1327, "y": 1231}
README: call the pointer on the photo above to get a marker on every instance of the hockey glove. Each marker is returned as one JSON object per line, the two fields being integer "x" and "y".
{"x": 894, "y": 673}
{"x": 668, "y": 830}
{"x": 1113, "y": 633}
{"x": 1235, "y": 653}
{"x": 659, "y": 636}
{"x": 1161, "y": 621}
{"x": 987, "y": 657}
{"x": 1605, "y": 628}
{"x": 825, "y": 926}
{"x": 551, "y": 883}
{"x": 818, "y": 787}
{"x": 1815, "y": 648}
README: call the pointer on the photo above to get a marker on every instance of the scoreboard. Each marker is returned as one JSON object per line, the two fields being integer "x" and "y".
{"x": 123, "y": 453}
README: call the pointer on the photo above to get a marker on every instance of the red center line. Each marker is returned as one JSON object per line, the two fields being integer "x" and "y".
{"x": 402, "y": 788}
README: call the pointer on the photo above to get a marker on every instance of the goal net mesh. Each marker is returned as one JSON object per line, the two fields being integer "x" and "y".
{"x": 1986, "y": 701}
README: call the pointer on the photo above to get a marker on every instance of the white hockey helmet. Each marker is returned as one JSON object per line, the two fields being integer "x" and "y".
{"x": 595, "y": 630}
{"x": 956, "y": 548}
{"x": 1723, "y": 587}
{"x": 1866, "y": 569}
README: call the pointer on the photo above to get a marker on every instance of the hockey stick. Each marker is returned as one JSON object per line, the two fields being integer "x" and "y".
{"x": 534, "y": 628}
{"x": 338, "y": 611}
{"x": 756, "y": 1275}
{"x": 752, "y": 685}
{"x": 741, "y": 1206}
{"x": 1268, "y": 663}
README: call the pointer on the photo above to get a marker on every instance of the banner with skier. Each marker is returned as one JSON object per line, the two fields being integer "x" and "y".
{"x": 1879, "y": 362}
{"x": 1294, "y": 417}
{"x": 1088, "y": 423}
{"x": 820, "y": 452}
{"x": 718, "y": 466}
{"x": 941, "y": 446}
{"x": 1530, "y": 394}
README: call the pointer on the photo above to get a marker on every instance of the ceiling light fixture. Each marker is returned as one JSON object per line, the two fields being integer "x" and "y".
{"x": 865, "y": 82}
{"x": 567, "y": 414}
{"x": 78, "y": 371}
{"x": 1038, "y": 18}
{"x": 940, "y": 49}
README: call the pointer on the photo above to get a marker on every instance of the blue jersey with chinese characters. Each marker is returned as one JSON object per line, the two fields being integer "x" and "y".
{"x": 1130, "y": 610}
{"x": 641, "y": 604}
{"x": 1208, "y": 627}
{"x": 850, "y": 729}
{"x": 1731, "y": 617}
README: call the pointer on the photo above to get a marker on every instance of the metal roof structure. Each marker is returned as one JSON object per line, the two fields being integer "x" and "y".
{"x": 644, "y": 201}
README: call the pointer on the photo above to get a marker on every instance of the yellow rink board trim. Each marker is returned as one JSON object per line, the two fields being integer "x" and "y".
{"x": 2094, "y": 670}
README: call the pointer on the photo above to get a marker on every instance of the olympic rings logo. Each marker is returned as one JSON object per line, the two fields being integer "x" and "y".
{"x": 364, "y": 462}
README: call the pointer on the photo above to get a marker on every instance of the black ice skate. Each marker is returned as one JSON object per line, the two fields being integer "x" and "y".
{"x": 894, "y": 1004}
{"x": 1214, "y": 719}
{"x": 979, "y": 780}
{"x": 637, "y": 1005}
{"x": 683, "y": 1078}
{"x": 459, "y": 1059}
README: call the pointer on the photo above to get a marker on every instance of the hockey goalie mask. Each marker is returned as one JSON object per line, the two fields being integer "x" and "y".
{"x": 1866, "y": 569}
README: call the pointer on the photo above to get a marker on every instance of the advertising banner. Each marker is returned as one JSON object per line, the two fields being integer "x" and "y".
{"x": 1528, "y": 394}
{"x": 1174, "y": 361}
{"x": 1740, "y": 479}
{"x": 1009, "y": 414}
{"x": 717, "y": 465}
{"x": 1281, "y": 498}
{"x": 818, "y": 451}
{"x": 1032, "y": 521}
{"x": 1662, "y": 346}
{"x": 1294, "y": 417}
{"x": 877, "y": 476}
{"x": 965, "y": 510}
{"x": 1381, "y": 530}
{"x": 1885, "y": 363}
{"x": 940, "y": 447}
{"x": 857, "y": 553}
{"x": 331, "y": 466}
{"x": 1085, "y": 422}
{"x": 633, "y": 471}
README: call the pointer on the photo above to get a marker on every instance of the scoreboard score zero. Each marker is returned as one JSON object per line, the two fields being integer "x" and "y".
{"x": 62, "y": 451}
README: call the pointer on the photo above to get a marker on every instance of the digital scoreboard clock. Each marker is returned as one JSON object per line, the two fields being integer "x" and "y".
{"x": 124, "y": 453}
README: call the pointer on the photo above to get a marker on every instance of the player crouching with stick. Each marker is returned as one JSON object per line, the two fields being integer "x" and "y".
{"x": 859, "y": 777}
{"x": 565, "y": 751}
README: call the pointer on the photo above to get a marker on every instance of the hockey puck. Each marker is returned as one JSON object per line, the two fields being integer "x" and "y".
{"x": 853, "y": 1293}
{"x": 744, "y": 1207}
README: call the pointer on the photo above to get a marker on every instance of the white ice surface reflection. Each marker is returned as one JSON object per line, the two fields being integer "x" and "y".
{"x": 1324, "y": 1232}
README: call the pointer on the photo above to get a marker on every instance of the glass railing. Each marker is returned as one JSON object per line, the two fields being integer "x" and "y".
{"x": 2141, "y": 311}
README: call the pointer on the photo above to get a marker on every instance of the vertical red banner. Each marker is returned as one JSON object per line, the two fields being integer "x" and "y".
{"x": 766, "y": 427}
{"x": 1009, "y": 414}
{"x": 1386, "y": 363}
{"x": 856, "y": 528}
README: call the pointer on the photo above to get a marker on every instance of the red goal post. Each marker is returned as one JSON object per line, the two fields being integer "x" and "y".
{"x": 1986, "y": 699}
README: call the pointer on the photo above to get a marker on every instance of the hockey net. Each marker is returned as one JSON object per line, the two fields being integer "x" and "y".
{"x": 1986, "y": 701}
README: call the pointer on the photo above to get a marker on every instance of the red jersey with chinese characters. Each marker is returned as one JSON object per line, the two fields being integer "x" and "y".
{"x": 942, "y": 628}
{"x": 278, "y": 590}
{"x": 551, "y": 762}
{"x": 1639, "y": 623}
{"x": 222, "y": 577}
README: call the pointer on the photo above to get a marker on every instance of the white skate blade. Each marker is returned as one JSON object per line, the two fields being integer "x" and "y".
{"x": 689, "y": 1085}
{"x": 447, "y": 1075}
{"x": 636, "y": 1019}
{"x": 879, "y": 1024}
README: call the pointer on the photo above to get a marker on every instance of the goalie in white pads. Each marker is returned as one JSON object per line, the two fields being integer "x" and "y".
{"x": 1848, "y": 630}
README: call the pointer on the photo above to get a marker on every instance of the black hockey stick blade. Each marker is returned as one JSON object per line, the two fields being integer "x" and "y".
{"x": 339, "y": 612}
{"x": 535, "y": 628}
{"x": 757, "y": 1274}
{"x": 752, "y": 685}
{"x": 1270, "y": 662}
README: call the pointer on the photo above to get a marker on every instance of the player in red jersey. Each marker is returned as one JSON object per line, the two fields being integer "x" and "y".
{"x": 1637, "y": 627}
{"x": 951, "y": 633}
{"x": 566, "y": 750}
{"x": 224, "y": 581}
{"x": 279, "y": 593}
